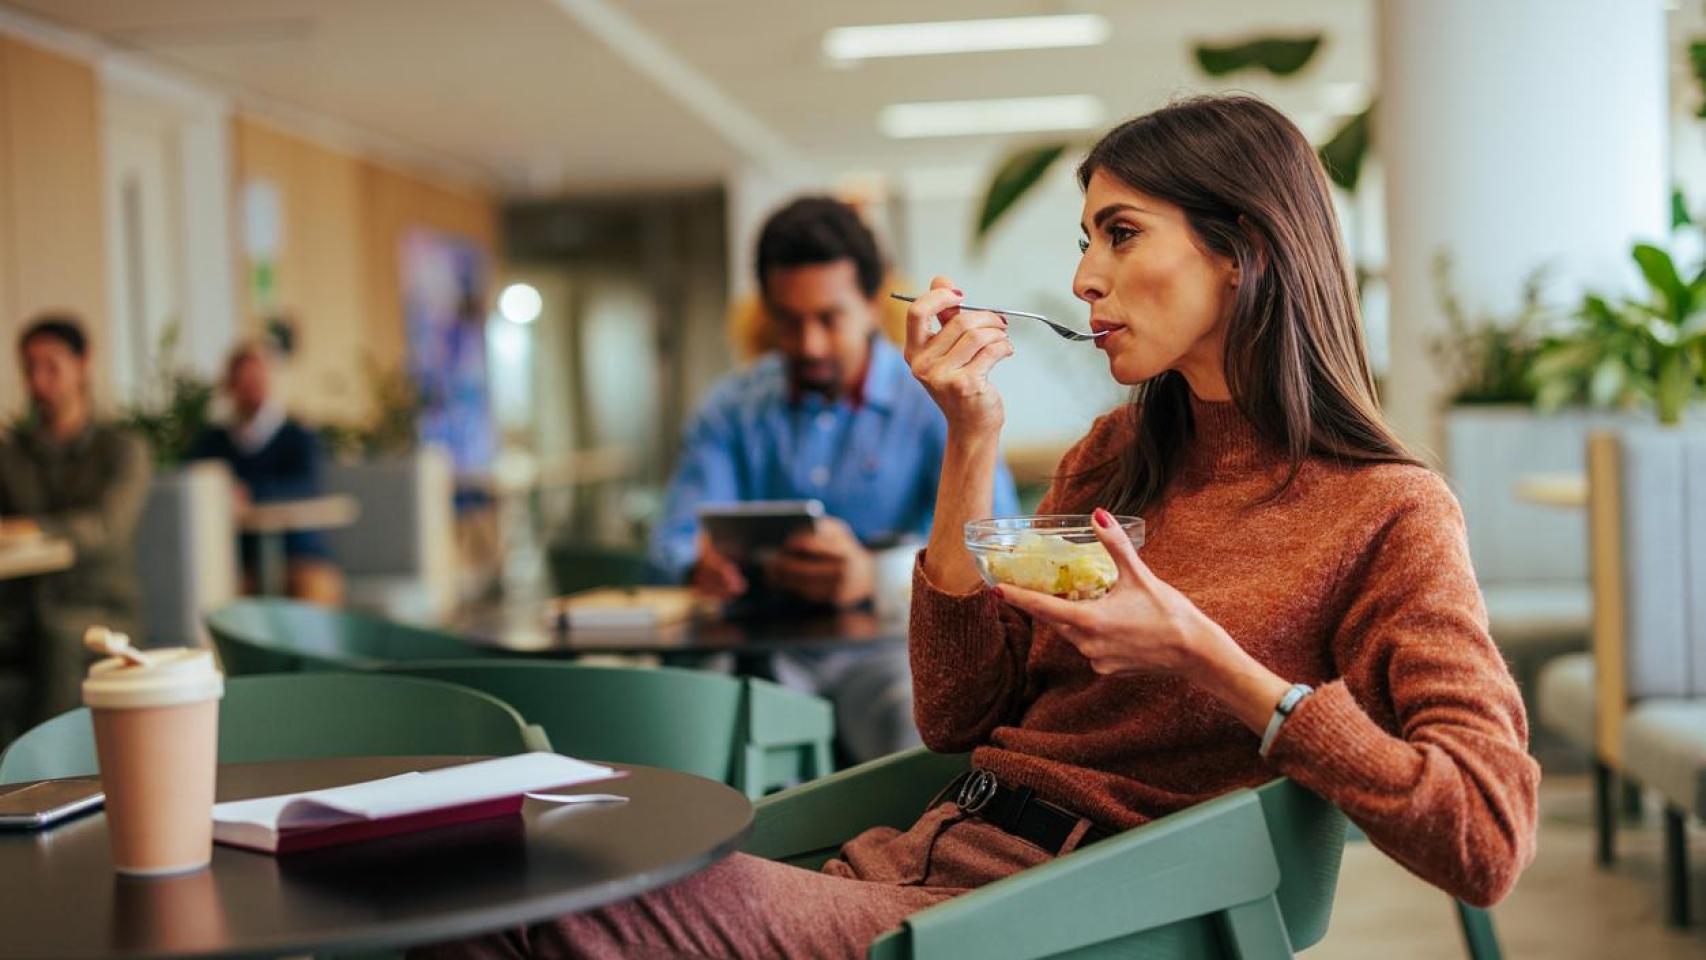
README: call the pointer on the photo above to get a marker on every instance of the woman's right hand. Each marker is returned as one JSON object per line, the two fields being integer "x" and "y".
{"x": 953, "y": 364}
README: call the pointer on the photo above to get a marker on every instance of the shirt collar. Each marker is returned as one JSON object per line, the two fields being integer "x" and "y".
{"x": 884, "y": 375}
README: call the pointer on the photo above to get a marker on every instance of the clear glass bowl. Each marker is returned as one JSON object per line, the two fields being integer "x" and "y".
{"x": 1057, "y": 554}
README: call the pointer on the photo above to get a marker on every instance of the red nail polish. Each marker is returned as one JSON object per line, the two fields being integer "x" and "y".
{"x": 998, "y": 594}
{"x": 1104, "y": 518}
{"x": 959, "y": 293}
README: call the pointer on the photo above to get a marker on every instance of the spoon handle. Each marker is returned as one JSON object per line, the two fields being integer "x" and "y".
{"x": 975, "y": 309}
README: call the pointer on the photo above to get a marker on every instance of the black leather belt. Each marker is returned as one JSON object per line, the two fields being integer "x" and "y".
{"x": 1018, "y": 811}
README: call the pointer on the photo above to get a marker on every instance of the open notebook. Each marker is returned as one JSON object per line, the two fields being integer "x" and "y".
{"x": 410, "y": 801}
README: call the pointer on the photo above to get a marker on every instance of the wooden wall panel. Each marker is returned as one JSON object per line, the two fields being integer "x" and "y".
{"x": 339, "y": 270}
{"x": 52, "y": 230}
{"x": 399, "y": 204}
{"x": 321, "y": 268}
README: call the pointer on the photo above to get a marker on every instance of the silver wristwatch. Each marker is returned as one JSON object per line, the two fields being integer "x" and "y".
{"x": 1283, "y": 709}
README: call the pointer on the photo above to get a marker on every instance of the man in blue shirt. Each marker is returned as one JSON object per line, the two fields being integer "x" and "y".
{"x": 833, "y": 415}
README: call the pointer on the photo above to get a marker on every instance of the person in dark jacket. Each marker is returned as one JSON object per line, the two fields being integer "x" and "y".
{"x": 272, "y": 457}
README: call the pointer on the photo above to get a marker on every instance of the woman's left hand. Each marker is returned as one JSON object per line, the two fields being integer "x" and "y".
{"x": 1142, "y": 624}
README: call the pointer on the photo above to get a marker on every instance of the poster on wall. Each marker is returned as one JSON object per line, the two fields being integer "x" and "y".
{"x": 444, "y": 296}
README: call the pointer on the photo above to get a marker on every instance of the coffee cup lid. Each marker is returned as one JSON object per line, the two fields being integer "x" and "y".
{"x": 172, "y": 676}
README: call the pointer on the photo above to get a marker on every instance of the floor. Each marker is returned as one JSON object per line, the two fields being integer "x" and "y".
{"x": 1562, "y": 907}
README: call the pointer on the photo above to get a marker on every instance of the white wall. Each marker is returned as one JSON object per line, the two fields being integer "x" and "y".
{"x": 1513, "y": 135}
{"x": 166, "y": 164}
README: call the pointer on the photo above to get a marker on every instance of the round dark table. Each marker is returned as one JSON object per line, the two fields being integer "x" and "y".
{"x": 522, "y": 629}
{"x": 60, "y": 899}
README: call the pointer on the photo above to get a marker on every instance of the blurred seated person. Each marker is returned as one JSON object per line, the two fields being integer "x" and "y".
{"x": 272, "y": 457}
{"x": 833, "y": 415}
{"x": 63, "y": 473}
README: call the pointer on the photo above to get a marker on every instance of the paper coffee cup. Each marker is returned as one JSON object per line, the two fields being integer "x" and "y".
{"x": 157, "y": 737}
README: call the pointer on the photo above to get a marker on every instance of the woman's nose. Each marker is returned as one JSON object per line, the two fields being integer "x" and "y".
{"x": 1086, "y": 283}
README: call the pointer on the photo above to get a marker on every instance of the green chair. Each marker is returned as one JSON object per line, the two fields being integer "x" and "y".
{"x": 578, "y": 565}
{"x": 309, "y": 716}
{"x": 271, "y": 635}
{"x": 750, "y": 734}
{"x": 1249, "y": 875}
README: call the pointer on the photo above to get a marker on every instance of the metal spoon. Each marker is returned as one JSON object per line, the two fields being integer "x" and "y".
{"x": 1066, "y": 332}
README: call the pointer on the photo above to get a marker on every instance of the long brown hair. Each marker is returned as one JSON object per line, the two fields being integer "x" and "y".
{"x": 1253, "y": 191}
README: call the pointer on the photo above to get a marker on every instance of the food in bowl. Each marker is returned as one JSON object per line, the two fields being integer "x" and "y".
{"x": 1057, "y": 555}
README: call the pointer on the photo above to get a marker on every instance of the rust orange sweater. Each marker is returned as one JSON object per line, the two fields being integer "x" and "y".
{"x": 1356, "y": 582}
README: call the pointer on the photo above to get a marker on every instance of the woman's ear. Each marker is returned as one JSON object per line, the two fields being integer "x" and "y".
{"x": 1258, "y": 250}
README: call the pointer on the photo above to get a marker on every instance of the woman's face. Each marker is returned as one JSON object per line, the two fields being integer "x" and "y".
{"x": 1166, "y": 299}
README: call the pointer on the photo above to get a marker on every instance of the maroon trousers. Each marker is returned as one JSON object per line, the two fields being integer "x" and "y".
{"x": 748, "y": 907}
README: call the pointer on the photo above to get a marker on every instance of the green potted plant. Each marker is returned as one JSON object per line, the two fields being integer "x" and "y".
{"x": 1486, "y": 359}
{"x": 1627, "y": 353}
{"x": 173, "y": 407}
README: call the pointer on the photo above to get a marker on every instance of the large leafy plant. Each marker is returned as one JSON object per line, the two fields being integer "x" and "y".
{"x": 1486, "y": 358}
{"x": 174, "y": 406}
{"x": 393, "y": 427}
{"x": 1628, "y": 352}
{"x": 1342, "y": 154}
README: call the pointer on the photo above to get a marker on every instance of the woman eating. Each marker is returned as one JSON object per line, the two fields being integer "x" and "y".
{"x": 1304, "y": 605}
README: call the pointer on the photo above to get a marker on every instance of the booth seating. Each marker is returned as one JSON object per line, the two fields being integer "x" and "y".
{"x": 1637, "y": 702}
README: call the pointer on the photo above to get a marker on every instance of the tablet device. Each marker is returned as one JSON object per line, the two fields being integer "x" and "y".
{"x": 29, "y": 806}
{"x": 747, "y": 533}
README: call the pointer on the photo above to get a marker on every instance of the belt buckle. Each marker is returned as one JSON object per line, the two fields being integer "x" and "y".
{"x": 976, "y": 792}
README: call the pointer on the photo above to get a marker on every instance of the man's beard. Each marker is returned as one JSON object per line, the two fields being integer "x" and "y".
{"x": 818, "y": 376}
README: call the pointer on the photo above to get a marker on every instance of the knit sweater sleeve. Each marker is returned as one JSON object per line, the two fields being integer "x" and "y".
{"x": 969, "y": 651}
{"x": 1422, "y": 741}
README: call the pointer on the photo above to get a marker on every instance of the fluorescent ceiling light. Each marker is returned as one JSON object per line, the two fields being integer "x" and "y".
{"x": 956, "y": 118}
{"x": 964, "y": 36}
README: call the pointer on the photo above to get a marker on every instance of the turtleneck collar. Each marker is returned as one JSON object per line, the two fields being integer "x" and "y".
{"x": 1224, "y": 438}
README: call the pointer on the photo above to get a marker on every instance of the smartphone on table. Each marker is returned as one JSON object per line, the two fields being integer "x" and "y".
{"x": 41, "y": 803}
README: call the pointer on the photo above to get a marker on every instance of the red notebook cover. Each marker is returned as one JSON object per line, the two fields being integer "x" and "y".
{"x": 313, "y": 838}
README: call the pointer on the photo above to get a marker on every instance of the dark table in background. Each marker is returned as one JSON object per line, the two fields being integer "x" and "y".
{"x": 522, "y": 629}
{"x": 59, "y": 897}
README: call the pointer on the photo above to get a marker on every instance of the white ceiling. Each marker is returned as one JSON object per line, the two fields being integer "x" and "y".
{"x": 519, "y": 90}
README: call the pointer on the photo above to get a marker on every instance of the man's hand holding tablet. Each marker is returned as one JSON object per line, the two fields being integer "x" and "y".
{"x": 825, "y": 565}
{"x": 791, "y": 545}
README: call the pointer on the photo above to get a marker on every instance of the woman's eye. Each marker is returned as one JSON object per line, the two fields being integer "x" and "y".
{"x": 1083, "y": 245}
{"x": 1120, "y": 234}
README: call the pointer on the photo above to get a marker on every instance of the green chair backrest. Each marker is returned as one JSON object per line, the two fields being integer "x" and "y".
{"x": 271, "y": 635}
{"x": 306, "y": 716}
{"x": 750, "y": 734}
{"x": 578, "y": 565}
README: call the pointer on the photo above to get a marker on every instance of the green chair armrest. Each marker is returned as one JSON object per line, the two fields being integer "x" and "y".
{"x": 1211, "y": 857}
{"x": 816, "y": 818}
{"x": 536, "y": 738}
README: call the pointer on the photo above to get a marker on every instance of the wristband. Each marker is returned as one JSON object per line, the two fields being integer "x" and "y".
{"x": 1282, "y": 710}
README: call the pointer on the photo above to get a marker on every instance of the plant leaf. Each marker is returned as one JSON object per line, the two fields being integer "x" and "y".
{"x": 1344, "y": 153}
{"x": 1697, "y": 58}
{"x": 1016, "y": 175}
{"x": 1280, "y": 56}
{"x": 1607, "y": 384}
{"x": 1661, "y": 275}
{"x": 1679, "y": 215}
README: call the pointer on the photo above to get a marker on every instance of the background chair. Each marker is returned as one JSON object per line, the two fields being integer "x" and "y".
{"x": 399, "y": 557}
{"x": 578, "y": 565}
{"x": 309, "y": 716}
{"x": 750, "y": 734}
{"x": 1248, "y": 874}
{"x": 1643, "y": 694}
{"x": 274, "y": 635}
{"x": 186, "y": 550}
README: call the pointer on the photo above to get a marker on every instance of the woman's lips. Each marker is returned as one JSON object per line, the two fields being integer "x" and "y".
{"x": 1098, "y": 325}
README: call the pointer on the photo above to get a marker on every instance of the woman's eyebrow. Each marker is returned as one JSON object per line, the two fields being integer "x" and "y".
{"x": 1112, "y": 209}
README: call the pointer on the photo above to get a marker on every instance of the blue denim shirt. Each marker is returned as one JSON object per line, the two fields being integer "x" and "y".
{"x": 874, "y": 465}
